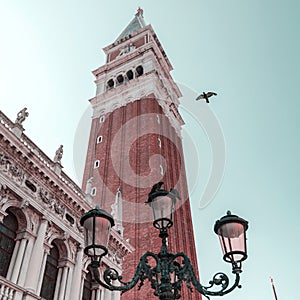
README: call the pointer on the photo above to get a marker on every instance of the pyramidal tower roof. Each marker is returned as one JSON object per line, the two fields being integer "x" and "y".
{"x": 137, "y": 23}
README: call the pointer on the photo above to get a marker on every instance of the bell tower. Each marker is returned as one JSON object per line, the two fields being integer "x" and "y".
{"x": 135, "y": 142}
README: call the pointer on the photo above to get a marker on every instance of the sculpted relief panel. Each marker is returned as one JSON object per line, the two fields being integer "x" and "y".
{"x": 16, "y": 174}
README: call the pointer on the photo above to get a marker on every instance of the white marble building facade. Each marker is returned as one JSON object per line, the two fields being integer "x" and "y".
{"x": 41, "y": 241}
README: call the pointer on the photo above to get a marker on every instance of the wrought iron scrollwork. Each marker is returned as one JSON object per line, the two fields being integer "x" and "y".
{"x": 167, "y": 265}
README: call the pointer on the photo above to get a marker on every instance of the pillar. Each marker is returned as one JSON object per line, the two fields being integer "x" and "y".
{"x": 69, "y": 286}
{"x": 63, "y": 282}
{"x": 57, "y": 285}
{"x": 36, "y": 259}
{"x": 81, "y": 285}
{"x": 13, "y": 260}
{"x": 76, "y": 282}
{"x": 18, "y": 261}
{"x": 41, "y": 277}
{"x": 27, "y": 254}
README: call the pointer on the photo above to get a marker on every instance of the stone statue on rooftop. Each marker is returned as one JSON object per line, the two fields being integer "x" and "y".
{"x": 21, "y": 116}
{"x": 58, "y": 154}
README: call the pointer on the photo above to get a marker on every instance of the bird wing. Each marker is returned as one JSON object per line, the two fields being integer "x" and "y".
{"x": 209, "y": 94}
{"x": 200, "y": 97}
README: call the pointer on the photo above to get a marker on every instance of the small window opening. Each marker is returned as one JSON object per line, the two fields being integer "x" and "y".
{"x": 30, "y": 185}
{"x": 99, "y": 139}
{"x": 96, "y": 164}
{"x": 93, "y": 191}
{"x": 129, "y": 75}
{"x": 102, "y": 119}
{"x": 70, "y": 219}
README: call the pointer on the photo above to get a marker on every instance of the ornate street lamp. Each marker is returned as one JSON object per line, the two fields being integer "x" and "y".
{"x": 169, "y": 270}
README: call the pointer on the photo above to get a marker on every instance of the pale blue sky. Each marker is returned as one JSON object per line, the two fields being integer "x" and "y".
{"x": 246, "y": 51}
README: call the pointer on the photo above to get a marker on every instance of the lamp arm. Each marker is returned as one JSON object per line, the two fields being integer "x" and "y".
{"x": 185, "y": 272}
{"x": 143, "y": 271}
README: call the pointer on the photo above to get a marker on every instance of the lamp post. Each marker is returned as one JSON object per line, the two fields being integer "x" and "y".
{"x": 167, "y": 271}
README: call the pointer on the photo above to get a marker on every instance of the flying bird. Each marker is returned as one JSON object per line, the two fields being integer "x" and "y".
{"x": 206, "y": 96}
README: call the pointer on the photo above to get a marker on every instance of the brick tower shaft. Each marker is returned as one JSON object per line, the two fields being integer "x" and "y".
{"x": 135, "y": 141}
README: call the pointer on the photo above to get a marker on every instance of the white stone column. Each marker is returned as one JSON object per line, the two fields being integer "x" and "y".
{"x": 76, "y": 282}
{"x": 81, "y": 285}
{"x": 69, "y": 286}
{"x": 98, "y": 294}
{"x": 115, "y": 295}
{"x": 41, "y": 277}
{"x": 63, "y": 282}
{"x": 36, "y": 259}
{"x": 106, "y": 294}
{"x": 57, "y": 285}
{"x": 26, "y": 259}
{"x": 13, "y": 260}
{"x": 18, "y": 262}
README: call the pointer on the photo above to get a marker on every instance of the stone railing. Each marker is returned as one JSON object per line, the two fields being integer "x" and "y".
{"x": 7, "y": 290}
{"x": 11, "y": 291}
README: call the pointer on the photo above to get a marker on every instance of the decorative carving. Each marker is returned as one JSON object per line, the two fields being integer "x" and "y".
{"x": 65, "y": 236}
{"x": 51, "y": 233}
{"x": 3, "y": 194}
{"x": 16, "y": 173}
{"x": 44, "y": 196}
{"x": 34, "y": 220}
{"x": 24, "y": 204}
{"x": 21, "y": 116}
{"x": 73, "y": 249}
{"x": 4, "y": 162}
{"x": 79, "y": 227}
{"x": 59, "y": 208}
{"x": 51, "y": 202}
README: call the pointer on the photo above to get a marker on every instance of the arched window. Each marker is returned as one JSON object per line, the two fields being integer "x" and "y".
{"x": 139, "y": 71}
{"x": 7, "y": 241}
{"x": 110, "y": 84}
{"x": 87, "y": 287}
{"x": 50, "y": 275}
{"x": 120, "y": 79}
{"x": 129, "y": 75}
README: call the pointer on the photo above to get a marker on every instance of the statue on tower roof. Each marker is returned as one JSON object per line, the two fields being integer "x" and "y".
{"x": 139, "y": 12}
{"x": 21, "y": 116}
